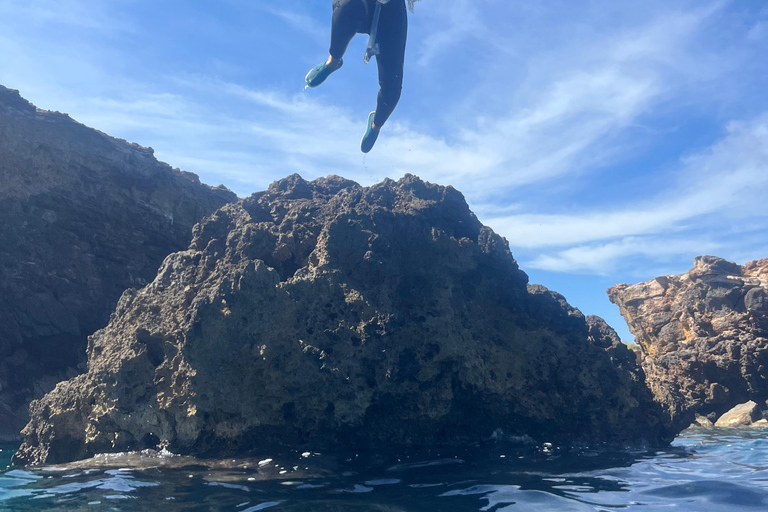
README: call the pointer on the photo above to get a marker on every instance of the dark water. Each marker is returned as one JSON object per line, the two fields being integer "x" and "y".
{"x": 705, "y": 470}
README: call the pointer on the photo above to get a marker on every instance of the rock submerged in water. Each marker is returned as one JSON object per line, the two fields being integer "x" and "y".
{"x": 704, "y": 335}
{"x": 702, "y": 421}
{"x": 84, "y": 216}
{"x": 327, "y": 314}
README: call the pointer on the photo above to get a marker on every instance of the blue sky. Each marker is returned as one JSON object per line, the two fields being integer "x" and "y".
{"x": 608, "y": 141}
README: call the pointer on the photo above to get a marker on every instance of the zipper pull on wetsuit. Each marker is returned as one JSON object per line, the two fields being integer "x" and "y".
{"x": 373, "y": 46}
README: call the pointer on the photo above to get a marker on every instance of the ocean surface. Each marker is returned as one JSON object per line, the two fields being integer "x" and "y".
{"x": 704, "y": 470}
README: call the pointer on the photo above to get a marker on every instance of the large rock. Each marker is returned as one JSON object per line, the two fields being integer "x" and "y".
{"x": 704, "y": 335}
{"x": 332, "y": 315}
{"x": 84, "y": 216}
{"x": 743, "y": 415}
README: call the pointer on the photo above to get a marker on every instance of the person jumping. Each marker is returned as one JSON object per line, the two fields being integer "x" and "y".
{"x": 352, "y": 17}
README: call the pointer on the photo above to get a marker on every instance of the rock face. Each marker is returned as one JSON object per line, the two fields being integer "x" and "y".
{"x": 84, "y": 216}
{"x": 327, "y": 314}
{"x": 704, "y": 335}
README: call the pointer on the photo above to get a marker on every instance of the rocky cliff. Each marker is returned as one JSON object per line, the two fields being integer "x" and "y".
{"x": 704, "y": 335}
{"x": 327, "y": 314}
{"x": 84, "y": 216}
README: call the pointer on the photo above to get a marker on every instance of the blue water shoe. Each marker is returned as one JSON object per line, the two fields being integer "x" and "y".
{"x": 371, "y": 134}
{"x": 319, "y": 73}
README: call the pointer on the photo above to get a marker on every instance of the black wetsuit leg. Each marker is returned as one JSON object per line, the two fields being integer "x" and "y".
{"x": 352, "y": 17}
{"x": 349, "y": 17}
{"x": 392, "y": 36}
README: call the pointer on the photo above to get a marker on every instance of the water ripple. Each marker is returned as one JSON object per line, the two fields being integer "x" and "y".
{"x": 704, "y": 470}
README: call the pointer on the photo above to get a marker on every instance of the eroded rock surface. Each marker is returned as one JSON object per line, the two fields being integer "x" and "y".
{"x": 84, "y": 216}
{"x": 704, "y": 335}
{"x": 327, "y": 314}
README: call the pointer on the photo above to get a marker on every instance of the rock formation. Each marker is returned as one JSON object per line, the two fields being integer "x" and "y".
{"x": 326, "y": 314}
{"x": 84, "y": 216}
{"x": 740, "y": 416}
{"x": 704, "y": 335}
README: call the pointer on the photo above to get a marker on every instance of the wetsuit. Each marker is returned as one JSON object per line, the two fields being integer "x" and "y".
{"x": 352, "y": 17}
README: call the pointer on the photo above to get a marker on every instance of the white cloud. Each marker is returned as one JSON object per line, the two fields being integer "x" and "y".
{"x": 604, "y": 259}
{"x": 714, "y": 190}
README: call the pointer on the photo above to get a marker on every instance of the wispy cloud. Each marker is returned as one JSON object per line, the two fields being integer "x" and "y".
{"x": 725, "y": 185}
{"x": 450, "y": 27}
{"x": 605, "y": 259}
{"x": 80, "y": 14}
{"x": 298, "y": 20}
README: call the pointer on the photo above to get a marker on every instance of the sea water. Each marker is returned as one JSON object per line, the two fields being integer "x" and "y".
{"x": 704, "y": 470}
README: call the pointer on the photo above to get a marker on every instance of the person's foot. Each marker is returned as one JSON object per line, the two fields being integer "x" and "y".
{"x": 319, "y": 73}
{"x": 371, "y": 134}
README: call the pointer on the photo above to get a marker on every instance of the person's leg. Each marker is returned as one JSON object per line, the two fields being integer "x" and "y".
{"x": 392, "y": 36}
{"x": 348, "y": 15}
{"x": 347, "y": 18}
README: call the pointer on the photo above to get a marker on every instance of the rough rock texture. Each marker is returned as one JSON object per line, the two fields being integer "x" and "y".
{"x": 331, "y": 315}
{"x": 84, "y": 216}
{"x": 740, "y": 416}
{"x": 704, "y": 335}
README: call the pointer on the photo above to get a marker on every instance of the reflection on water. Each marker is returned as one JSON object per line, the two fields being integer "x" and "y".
{"x": 704, "y": 470}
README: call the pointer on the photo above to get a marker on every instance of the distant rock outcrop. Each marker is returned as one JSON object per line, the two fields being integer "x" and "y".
{"x": 327, "y": 314}
{"x": 84, "y": 216}
{"x": 704, "y": 335}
